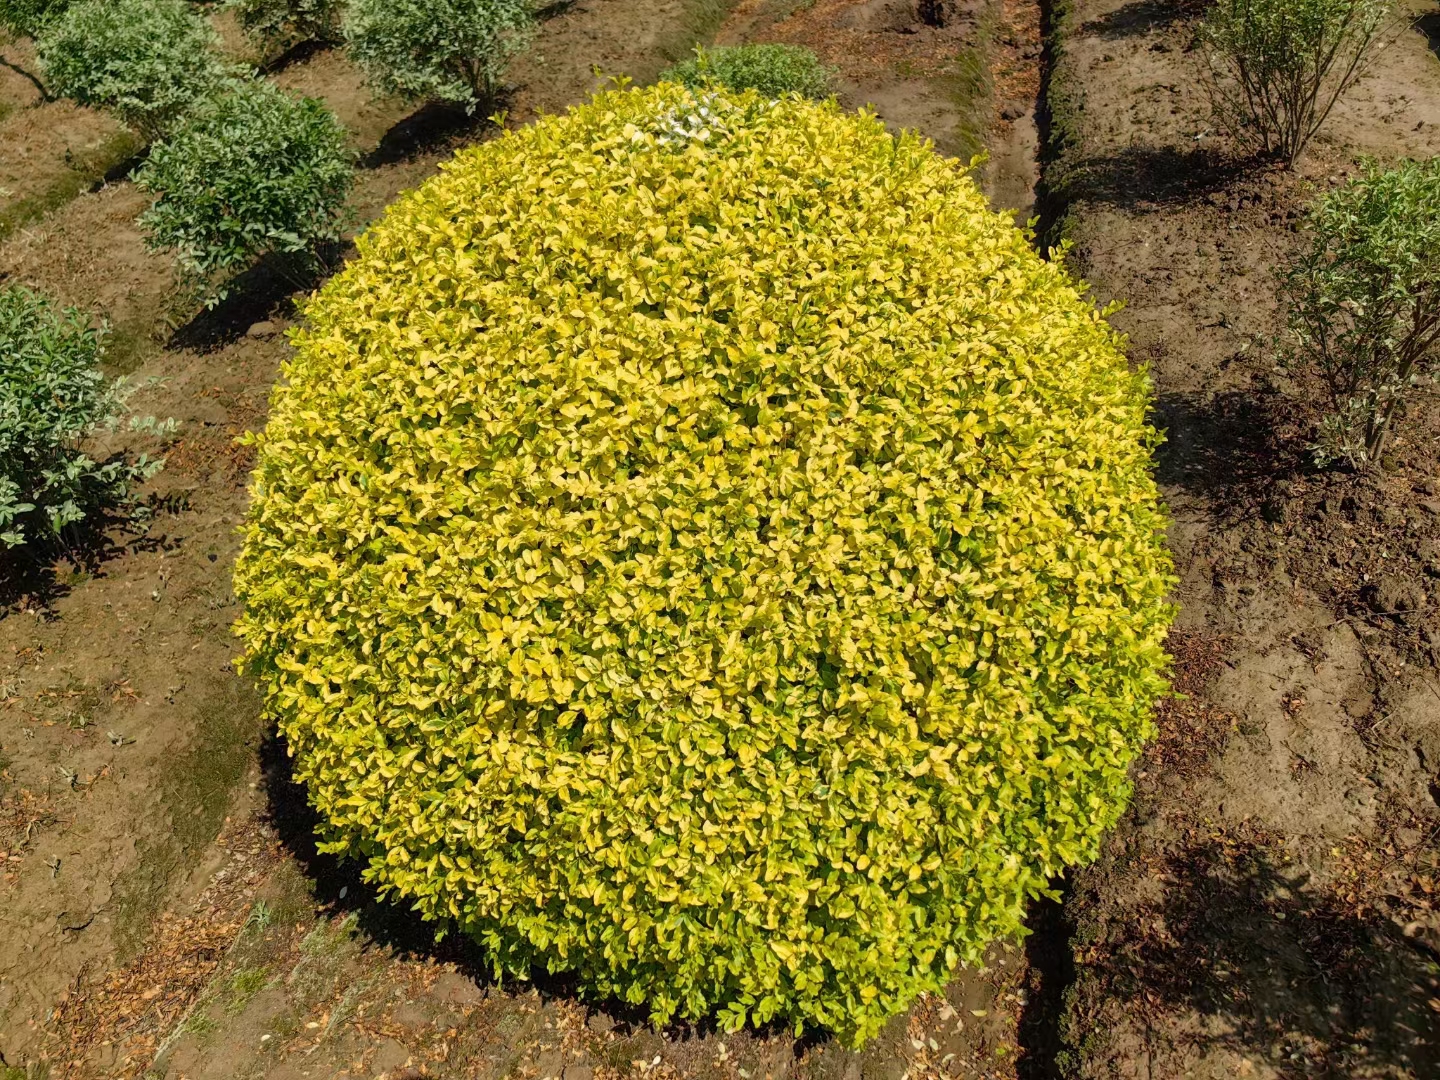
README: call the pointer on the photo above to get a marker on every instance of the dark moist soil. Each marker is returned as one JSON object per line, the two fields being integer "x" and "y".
{"x": 162, "y": 909}
{"x": 1267, "y": 908}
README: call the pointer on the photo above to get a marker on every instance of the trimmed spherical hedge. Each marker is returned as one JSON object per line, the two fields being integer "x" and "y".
{"x": 698, "y": 545}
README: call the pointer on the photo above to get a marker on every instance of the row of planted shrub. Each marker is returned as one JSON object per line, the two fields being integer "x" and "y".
{"x": 697, "y": 544}
{"x": 240, "y": 168}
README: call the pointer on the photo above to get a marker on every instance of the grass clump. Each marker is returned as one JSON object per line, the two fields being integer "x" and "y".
{"x": 727, "y": 571}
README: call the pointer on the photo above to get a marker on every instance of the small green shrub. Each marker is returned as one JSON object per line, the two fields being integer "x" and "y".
{"x": 697, "y": 544}
{"x": 448, "y": 50}
{"x": 148, "y": 60}
{"x": 1276, "y": 68}
{"x": 278, "y": 24}
{"x": 52, "y": 397}
{"x": 771, "y": 69}
{"x": 26, "y": 18}
{"x": 1364, "y": 302}
{"x": 251, "y": 172}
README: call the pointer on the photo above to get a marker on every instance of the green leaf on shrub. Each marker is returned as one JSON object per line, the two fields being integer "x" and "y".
{"x": 256, "y": 170}
{"x": 771, "y": 69}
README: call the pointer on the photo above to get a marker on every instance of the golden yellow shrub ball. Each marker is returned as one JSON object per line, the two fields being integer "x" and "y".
{"x": 699, "y": 546}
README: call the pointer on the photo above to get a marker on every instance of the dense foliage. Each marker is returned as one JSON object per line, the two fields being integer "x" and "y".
{"x": 771, "y": 69}
{"x": 148, "y": 60}
{"x": 1277, "y": 67}
{"x": 253, "y": 171}
{"x": 278, "y": 24}
{"x": 448, "y": 50}
{"x": 26, "y": 17}
{"x": 52, "y": 396}
{"x": 1364, "y": 301}
{"x": 700, "y": 546}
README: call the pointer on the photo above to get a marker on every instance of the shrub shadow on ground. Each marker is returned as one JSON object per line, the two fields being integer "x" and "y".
{"x": 1051, "y": 959}
{"x": 297, "y": 54}
{"x": 1143, "y": 16}
{"x": 121, "y": 170}
{"x": 555, "y": 9}
{"x": 29, "y": 582}
{"x": 266, "y": 289}
{"x": 1429, "y": 26}
{"x": 1153, "y": 177}
{"x": 1231, "y": 448}
{"x": 39, "y": 574}
{"x": 1313, "y": 983}
{"x": 435, "y": 126}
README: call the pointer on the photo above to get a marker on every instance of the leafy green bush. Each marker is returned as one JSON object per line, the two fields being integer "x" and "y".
{"x": 279, "y": 24}
{"x": 1364, "y": 301}
{"x": 725, "y": 570}
{"x": 148, "y": 60}
{"x": 450, "y": 50}
{"x": 27, "y": 17}
{"x": 251, "y": 172}
{"x": 771, "y": 69}
{"x": 1277, "y": 67}
{"x": 52, "y": 397}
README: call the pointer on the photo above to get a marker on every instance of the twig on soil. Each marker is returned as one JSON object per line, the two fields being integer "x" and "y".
{"x": 1369, "y": 615}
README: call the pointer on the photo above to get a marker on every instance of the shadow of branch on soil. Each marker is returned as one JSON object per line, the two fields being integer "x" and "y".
{"x": 1311, "y": 982}
{"x": 1230, "y": 448}
{"x": 1142, "y": 16}
{"x": 1140, "y": 177}
{"x": 34, "y": 80}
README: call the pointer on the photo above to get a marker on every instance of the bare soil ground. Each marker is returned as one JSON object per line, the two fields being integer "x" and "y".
{"x": 162, "y": 909}
{"x": 50, "y": 151}
{"x": 1268, "y": 907}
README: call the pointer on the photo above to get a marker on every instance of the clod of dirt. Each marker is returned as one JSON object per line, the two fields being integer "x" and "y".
{"x": 1396, "y": 596}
